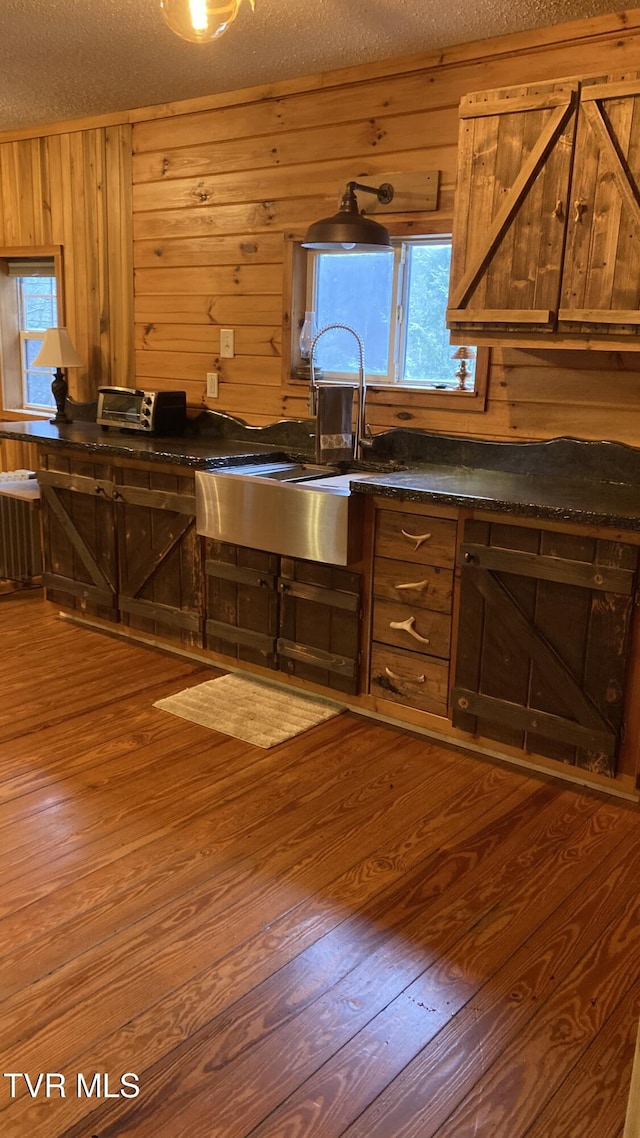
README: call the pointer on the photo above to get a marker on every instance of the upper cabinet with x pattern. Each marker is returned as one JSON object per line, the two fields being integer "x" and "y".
{"x": 546, "y": 244}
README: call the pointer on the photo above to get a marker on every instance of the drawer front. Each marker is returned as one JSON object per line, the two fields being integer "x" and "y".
{"x": 410, "y": 679}
{"x": 416, "y": 629}
{"x": 415, "y": 538}
{"x": 428, "y": 587}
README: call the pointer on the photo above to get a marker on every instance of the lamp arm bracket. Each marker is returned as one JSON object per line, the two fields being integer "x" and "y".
{"x": 384, "y": 193}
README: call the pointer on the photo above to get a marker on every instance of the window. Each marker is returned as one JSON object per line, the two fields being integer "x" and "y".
{"x": 29, "y": 304}
{"x": 37, "y": 308}
{"x": 397, "y": 303}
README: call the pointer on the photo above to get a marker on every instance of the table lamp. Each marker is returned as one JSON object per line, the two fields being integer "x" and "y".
{"x": 463, "y": 373}
{"x": 57, "y": 351}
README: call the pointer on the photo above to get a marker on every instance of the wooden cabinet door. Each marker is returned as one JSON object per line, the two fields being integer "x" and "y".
{"x": 241, "y": 602}
{"x": 514, "y": 166}
{"x": 79, "y": 549}
{"x": 601, "y": 277}
{"x": 543, "y": 641}
{"x": 319, "y": 623}
{"x": 159, "y": 562}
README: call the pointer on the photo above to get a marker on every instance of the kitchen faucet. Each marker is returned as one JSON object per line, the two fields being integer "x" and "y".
{"x": 359, "y": 441}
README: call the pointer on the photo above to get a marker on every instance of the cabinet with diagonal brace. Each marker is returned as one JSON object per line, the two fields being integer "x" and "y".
{"x": 544, "y": 640}
{"x": 119, "y": 544}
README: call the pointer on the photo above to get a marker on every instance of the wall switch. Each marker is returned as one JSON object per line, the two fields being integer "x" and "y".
{"x": 227, "y": 350}
{"x": 212, "y": 384}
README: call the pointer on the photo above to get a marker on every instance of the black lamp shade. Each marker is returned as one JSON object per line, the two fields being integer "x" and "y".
{"x": 348, "y": 229}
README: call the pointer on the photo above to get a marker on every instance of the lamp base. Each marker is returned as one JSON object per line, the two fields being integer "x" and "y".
{"x": 60, "y": 390}
{"x": 303, "y": 371}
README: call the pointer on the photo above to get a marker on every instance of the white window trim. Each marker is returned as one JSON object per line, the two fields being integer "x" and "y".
{"x": 13, "y": 260}
{"x": 397, "y": 338}
{"x": 24, "y": 372}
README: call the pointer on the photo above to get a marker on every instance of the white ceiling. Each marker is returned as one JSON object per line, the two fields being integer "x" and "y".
{"x": 62, "y": 59}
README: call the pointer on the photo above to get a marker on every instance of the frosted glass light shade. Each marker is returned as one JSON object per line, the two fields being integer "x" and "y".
{"x": 57, "y": 350}
{"x": 200, "y": 21}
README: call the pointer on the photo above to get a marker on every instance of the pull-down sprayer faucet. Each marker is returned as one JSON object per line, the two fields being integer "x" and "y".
{"x": 313, "y": 401}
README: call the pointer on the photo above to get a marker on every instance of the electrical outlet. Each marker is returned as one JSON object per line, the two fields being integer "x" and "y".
{"x": 227, "y": 350}
{"x": 212, "y": 384}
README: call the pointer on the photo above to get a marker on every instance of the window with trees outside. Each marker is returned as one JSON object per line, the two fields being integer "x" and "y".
{"x": 397, "y": 303}
{"x": 37, "y": 307}
{"x": 29, "y": 304}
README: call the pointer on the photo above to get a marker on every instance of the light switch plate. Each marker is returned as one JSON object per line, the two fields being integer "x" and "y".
{"x": 227, "y": 350}
{"x": 212, "y": 384}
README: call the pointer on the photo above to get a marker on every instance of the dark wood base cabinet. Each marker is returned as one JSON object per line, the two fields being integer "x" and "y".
{"x": 543, "y": 646}
{"x": 283, "y": 613}
{"x": 319, "y": 623}
{"x": 120, "y": 544}
{"x": 78, "y": 526}
{"x": 500, "y": 633}
{"x": 241, "y": 602}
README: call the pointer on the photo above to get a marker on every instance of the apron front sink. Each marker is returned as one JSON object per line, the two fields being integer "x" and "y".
{"x": 293, "y": 509}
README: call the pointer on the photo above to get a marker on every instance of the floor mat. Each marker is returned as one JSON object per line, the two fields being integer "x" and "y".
{"x": 249, "y": 709}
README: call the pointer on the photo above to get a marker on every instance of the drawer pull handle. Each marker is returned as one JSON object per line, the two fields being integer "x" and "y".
{"x": 407, "y": 626}
{"x": 404, "y": 679}
{"x": 413, "y": 585}
{"x": 417, "y": 537}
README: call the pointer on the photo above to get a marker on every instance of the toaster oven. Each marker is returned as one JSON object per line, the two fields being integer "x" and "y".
{"x": 132, "y": 409}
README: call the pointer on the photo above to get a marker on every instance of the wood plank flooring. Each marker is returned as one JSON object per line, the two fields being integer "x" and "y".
{"x": 356, "y": 933}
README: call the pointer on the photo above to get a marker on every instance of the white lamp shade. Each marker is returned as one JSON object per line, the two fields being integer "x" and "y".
{"x": 57, "y": 350}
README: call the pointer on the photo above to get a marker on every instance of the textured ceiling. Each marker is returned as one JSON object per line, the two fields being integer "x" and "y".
{"x": 62, "y": 59}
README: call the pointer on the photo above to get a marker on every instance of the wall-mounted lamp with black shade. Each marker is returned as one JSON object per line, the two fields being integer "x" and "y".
{"x": 57, "y": 351}
{"x": 348, "y": 229}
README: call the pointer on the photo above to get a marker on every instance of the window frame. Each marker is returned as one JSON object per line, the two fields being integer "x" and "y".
{"x": 12, "y": 393}
{"x": 26, "y": 336}
{"x": 400, "y": 284}
{"x": 394, "y": 394}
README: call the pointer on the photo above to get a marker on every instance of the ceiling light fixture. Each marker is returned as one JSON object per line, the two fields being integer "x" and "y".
{"x": 201, "y": 21}
{"x": 350, "y": 230}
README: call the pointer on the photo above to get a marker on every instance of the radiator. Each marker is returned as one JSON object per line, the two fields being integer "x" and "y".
{"x": 20, "y": 555}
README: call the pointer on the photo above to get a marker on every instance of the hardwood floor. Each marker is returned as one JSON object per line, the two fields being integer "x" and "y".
{"x": 356, "y": 933}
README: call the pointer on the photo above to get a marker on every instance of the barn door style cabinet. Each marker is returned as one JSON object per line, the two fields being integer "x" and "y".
{"x": 544, "y": 622}
{"x": 283, "y": 613}
{"x": 80, "y": 568}
{"x": 120, "y": 544}
{"x": 546, "y": 235}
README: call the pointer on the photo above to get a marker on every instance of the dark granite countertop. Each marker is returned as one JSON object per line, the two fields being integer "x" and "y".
{"x": 589, "y": 482}
{"x": 527, "y": 495}
{"x": 573, "y": 480}
{"x": 198, "y": 452}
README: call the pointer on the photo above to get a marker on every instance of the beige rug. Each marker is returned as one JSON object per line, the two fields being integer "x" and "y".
{"x": 249, "y": 709}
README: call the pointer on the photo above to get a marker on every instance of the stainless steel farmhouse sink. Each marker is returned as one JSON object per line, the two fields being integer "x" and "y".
{"x": 295, "y": 509}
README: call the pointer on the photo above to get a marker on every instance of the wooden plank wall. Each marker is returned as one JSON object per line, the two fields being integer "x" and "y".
{"x": 215, "y": 190}
{"x": 17, "y": 456}
{"x": 74, "y": 190}
{"x": 218, "y": 181}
